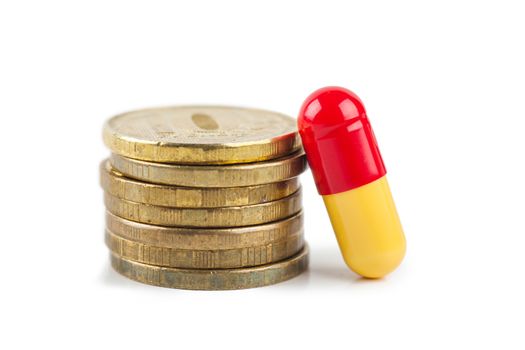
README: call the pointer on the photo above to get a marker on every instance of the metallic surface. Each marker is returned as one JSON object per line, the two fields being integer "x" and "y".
{"x": 206, "y": 238}
{"x": 205, "y": 217}
{"x": 204, "y": 259}
{"x": 191, "y": 197}
{"x": 212, "y": 175}
{"x": 201, "y": 135}
{"x": 213, "y": 279}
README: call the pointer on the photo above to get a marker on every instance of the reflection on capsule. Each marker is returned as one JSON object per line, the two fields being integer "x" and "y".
{"x": 350, "y": 175}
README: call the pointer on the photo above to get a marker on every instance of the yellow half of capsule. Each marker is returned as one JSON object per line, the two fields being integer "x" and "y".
{"x": 367, "y": 228}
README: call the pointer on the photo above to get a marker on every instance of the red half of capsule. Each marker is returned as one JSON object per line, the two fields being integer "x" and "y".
{"x": 338, "y": 140}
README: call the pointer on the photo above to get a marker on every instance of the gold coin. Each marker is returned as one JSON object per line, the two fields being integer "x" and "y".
{"x": 206, "y": 238}
{"x": 192, "y": 197}
{"x": 212, "y": 279}
{"x": 204, "y": 259}
{"x": 212, "y": 175}
{"x": 205, "y": 217}
{"x": 201, "y": 135}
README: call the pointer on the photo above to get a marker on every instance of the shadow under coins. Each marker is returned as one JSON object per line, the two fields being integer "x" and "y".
{"x": 112, "y": 278}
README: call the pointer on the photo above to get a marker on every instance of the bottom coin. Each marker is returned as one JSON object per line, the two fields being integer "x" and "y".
{"x": 219, "y": 279}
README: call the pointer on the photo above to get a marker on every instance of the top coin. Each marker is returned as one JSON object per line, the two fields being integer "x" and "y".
{"x": 202, "y": 135}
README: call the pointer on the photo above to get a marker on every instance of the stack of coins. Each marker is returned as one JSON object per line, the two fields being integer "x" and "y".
{"x": 204, "y": 197}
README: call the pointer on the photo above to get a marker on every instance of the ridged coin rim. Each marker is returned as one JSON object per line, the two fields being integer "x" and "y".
{"x": 201, "y": 258}
{"x": 205, "y": 217}
{"x": 237, "y": 175}
{"x": 206, "y": 238}
{"x": 191, "y": 197}
{"x": 213, "y": 279}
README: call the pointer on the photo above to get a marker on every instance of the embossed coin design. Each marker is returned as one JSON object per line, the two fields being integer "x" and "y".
{"x": 201, "y": 135}
{"x": 213, "y": 279}
{"x": 204, "y": 197}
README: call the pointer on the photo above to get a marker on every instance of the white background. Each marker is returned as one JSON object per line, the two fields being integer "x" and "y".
{"x": 444, "y": 86}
